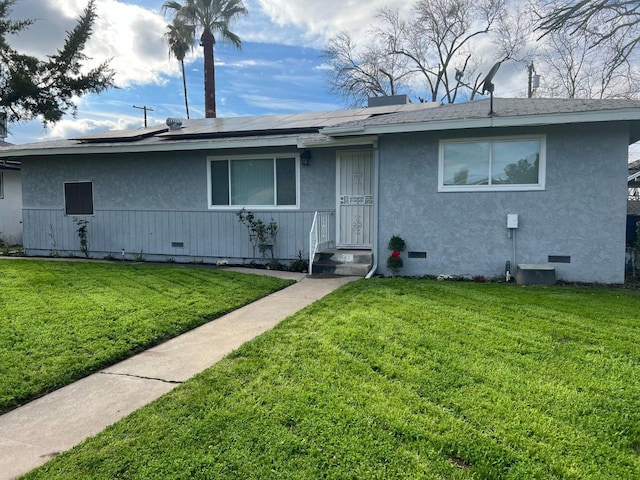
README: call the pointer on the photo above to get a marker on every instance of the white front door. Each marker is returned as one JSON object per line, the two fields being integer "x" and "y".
{"x": 355, "y": 199}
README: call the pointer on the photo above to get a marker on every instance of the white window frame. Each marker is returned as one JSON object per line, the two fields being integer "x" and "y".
{"x": 295, "y": 156}
{"x": 542, "y": 164}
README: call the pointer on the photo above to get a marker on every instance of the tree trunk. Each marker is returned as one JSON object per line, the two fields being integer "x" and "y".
{"x": 208, "y": 41}
{"x": 184, "y": 85}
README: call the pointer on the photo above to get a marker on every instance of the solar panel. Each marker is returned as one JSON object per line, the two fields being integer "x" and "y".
{"x": 282, "y": 122}
{"x": 123, "y": 135}
{"x": 293, "y": 122}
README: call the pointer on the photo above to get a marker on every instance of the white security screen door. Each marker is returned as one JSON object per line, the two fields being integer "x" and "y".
{"x": 355, "y": 199}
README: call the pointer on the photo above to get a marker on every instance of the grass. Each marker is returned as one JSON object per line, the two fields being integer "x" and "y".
{"x": 63, "y": 320}
{"x": 395, "y": 379}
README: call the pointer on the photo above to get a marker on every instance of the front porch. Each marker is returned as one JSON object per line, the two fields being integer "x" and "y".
{"x": 356, "y": 263}
{"x": 326, "y": 258}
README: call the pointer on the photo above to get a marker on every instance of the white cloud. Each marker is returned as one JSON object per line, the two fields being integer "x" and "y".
{"x": 130, "y": 36}
{"x": 239, "y": 63}
{"x": 279, "y": 105}
{"x": 326, "y": 18}
{"x": 264, "y": 77}
{"x": 311, "y": 23}
{"x": 71, "y": 128}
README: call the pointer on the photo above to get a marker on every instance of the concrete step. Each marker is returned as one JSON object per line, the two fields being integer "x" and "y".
{"x": 343, "y": 262}
{"x": 535, "y": 274}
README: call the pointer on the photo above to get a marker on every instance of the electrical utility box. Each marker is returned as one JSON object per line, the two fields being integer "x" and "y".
{"x": 512, "y": 220}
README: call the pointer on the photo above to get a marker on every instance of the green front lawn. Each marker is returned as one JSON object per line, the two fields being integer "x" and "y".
{"x": 398, "y": 378}
{"x": 60, "y": 321}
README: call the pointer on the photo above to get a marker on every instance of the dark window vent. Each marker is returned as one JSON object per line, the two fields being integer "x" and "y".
{"x": 78, "y": 198}
{"x": 177, "y": 244}
{"x": 559, "y": 259}
{"x": 417, "y": 254}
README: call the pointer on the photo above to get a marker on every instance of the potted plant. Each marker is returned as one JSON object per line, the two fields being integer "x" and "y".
{"x": 394, "y": 262}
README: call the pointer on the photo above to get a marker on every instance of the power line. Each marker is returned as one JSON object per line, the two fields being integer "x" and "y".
{"x": 146, "y": 109}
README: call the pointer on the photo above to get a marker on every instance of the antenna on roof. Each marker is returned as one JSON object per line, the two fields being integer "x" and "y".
{"x": 487, "y": 86}
{"x": 146, "y": 109}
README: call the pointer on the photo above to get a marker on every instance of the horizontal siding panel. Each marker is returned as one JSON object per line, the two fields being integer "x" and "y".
{"x": 204, "y": 234}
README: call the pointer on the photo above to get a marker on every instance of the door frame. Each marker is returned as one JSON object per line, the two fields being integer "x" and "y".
{"x": 368, "y": 201}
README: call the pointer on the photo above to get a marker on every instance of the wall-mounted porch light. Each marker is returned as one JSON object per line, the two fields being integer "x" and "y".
{"x": 305, "y": 157}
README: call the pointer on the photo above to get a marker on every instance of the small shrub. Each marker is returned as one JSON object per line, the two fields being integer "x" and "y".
{"x": 300, "y": 263}
{"x": 397, "y": 244}
{"x": 140, "y": 257}
{"x": 261, "y": 235}
{"x": 394, "y": 262}
{"x": 274, "y": 265}
{"x": 83, "y": 234}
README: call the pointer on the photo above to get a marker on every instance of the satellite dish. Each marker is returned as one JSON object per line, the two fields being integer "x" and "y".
{"x": 487, "y": 86}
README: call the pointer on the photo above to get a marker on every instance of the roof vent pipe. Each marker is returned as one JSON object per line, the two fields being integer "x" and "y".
{"x": 174, "y": 123}
{"x": 387, "y": 100}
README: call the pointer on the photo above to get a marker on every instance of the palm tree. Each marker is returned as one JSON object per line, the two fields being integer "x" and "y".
{"x": 180, "y": 38}
{"x": 213, "y": 17}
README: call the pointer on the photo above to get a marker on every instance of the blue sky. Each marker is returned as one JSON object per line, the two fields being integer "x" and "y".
{"x": 278, "y": 70}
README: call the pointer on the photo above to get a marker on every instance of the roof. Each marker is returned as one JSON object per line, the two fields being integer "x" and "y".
{"x": 341, "y": 127}
{"x": 508, "y": 112}
{"x": 210, "y": 133}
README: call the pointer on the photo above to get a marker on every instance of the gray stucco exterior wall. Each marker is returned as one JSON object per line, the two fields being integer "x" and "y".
{"x": 11, "y": 207}
{"x": 581, "y": 212}
{"x": 157, "y": 204}
{"x": 150, "y": 202}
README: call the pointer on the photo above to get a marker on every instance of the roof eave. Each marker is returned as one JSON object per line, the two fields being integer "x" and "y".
{"x": 631, "y": 114}
{"x": 164, "y": 146}
{"x": 338, "y": 142}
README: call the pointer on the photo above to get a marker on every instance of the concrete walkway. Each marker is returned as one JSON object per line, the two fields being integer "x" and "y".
{"x": 40, "y": 430}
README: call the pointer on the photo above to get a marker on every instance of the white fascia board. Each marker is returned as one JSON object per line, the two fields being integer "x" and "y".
{"x": 630, "y": 114}
{"x": 165, "y": 146}
{"x": 633, "y": 177}
{"x": 337, "y": 131}
{"x": 340, "y": 142}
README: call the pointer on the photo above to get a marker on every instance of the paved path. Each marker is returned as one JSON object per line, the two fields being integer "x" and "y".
{"x": 38, "y": 431}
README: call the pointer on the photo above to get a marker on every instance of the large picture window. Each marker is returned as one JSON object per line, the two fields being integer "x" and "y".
{"x": 503, "y": 164}
{"x": 254, "y": 182}
{"x": 78, "y": 198}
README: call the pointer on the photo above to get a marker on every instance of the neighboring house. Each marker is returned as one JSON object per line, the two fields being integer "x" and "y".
{"x": 10, "y": 201}
{"x": 443, "y": 177}
{"x": 633, "y": 183}
{"x": 633, "y": 203}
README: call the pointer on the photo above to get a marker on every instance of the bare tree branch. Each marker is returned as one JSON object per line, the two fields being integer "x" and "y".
{"x": 437, "y": 51}
{"x": 603, "y": 19}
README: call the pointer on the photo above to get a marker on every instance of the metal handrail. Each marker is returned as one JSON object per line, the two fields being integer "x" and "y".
{"x": 318, "y": 235}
